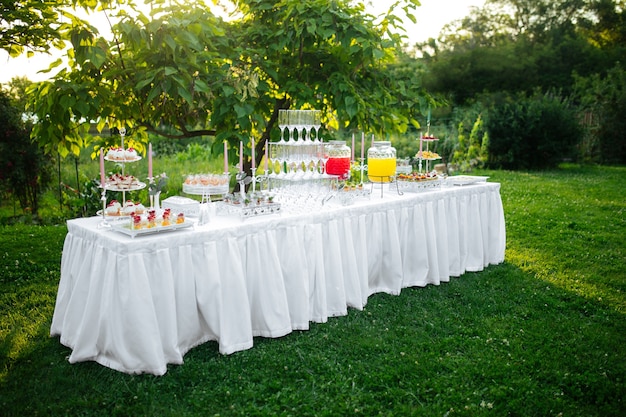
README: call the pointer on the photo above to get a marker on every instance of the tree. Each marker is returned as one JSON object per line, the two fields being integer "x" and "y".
{"x": 519, "y": 45}
{"x": 603, "y": 99}
{"x": 36, "y": 26}
{"x": 24, "y": 168}
{"x": 177, "y": 74}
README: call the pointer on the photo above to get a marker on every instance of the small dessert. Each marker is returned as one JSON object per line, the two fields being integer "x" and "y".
{"x": 129, "y": 208}
{"x": 137, "y": 222}
{"x": 151, "y": 219}
{"x": 180, "y": 218}
{"x": 140, "y": 208}
{"x": 115, "y": 154}
{"x": 166, "y": 218}
{"x": 130, "y": 154}
{"x": 113, "y": 208}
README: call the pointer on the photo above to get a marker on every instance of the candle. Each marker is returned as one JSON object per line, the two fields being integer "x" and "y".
{"x": 267, "y": 145}
{"x": 252, "y": 146}
{"x": 240, "y": 156}
{"x": 150, "y": 160}
{"x": 362, "y": 145}
{"x": 353, "y": 146}
{"x": 102, "y": 182}
{"x": 225, "y": 157}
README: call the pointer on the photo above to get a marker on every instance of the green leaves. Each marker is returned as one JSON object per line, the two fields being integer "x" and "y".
{"x": 176, "y": 74}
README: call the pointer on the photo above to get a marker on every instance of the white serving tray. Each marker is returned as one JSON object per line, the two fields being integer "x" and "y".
{"x": 125, "y": 227}
{"x": 465, "y": 179}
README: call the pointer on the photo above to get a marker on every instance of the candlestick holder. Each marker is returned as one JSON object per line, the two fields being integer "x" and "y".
{"x": 258, "y": 179}
{"x": 243, "y": 180}
{"x": 362, "y": 168}
{"x": 104, "y": 224}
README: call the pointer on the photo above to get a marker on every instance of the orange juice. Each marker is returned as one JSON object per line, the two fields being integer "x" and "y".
{"x": 380, "y": 170}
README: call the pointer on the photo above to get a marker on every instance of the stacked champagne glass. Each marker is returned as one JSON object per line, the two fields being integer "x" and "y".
{"x": 299, "y": 156}
{"x": 297, "y": 160}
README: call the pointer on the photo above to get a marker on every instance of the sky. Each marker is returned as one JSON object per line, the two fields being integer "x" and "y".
{"x": 431, "y": 16}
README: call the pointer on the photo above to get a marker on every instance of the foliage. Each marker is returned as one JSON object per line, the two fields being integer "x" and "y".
{"x": 533, "y": 132}
{"x": 177, "y": 71}
{"x": 603, "y": 101}
{"x": 24, "y": 168}
{"x": 541, "y": 334}
{"x": 471, "y": 148}
{"x": 158, "y": 184}
{"x": 519, "y": 45}
{"x": 38, "y": 26}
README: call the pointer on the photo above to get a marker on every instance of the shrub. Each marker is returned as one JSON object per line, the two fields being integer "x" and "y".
{"x": 604, "y": 102}
{"x": 533, "y": 132}
{"x": 25, "y": 170}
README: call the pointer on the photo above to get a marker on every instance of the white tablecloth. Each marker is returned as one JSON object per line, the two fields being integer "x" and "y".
{"x": 136, "y": 305}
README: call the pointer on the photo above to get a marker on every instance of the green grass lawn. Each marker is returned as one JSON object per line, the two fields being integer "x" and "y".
{"x": 543, "y": 334}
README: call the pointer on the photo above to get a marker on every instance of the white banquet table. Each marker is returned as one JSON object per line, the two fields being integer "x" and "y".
{"x": 138, "y": 304}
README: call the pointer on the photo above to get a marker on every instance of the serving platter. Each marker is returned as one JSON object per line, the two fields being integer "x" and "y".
{"x": 113, "y": 216}
{"x": 127, "y": 229}
{"x": 205, "y": 189}
{"x": 465, "y": 179}
{"x": 133, "y": 187}
{"x": 419, "y": 185}
{"x": 125, "y": 160}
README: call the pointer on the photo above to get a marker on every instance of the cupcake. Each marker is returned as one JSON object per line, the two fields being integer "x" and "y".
{"x": 113, "y": 208}
{"x": 130, "y": 154}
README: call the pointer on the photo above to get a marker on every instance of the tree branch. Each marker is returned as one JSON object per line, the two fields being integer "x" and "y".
{"x": 184, "y": 135}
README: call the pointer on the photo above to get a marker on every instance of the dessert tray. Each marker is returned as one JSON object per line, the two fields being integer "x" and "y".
{"x": 206, "y": 184}
{"x": 114, "y": 215}
{"x": 120, "y": 182}
{"x": 122, "y": 187}
{"x": 127, "y": 159}
{"x": 465, "y": 179}
{"x": 205, "y": 189}
{"x": 419, "y": 185}
{"x": 247, "y": 210}
{"x": 126, "y": 227}
{"x": 347, "y": 194}
{"x": 428, "y": 155}
{"x": 416, "y": 181}
{"x": 121, "y": 155}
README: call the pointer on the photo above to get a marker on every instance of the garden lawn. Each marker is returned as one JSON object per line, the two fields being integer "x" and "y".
{"x": 542, "y": 334}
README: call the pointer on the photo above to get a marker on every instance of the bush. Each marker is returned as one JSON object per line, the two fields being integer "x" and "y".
{"x": 532, "y": 132}
{"x": 604, "y": 102}
{"x": 25, "y": 171}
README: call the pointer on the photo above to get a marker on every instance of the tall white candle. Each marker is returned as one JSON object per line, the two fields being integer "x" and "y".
{"x": 362, "y": 145}
{"x": 252, "y": 146}
{"x": 353, "y": 147}
{"x": 225, "y": 157}
{"x": 267, "y": 146}
{"x": 150, "y": 160}
{"x": 240, "y": 156}
{"x": 102, "y": 167}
